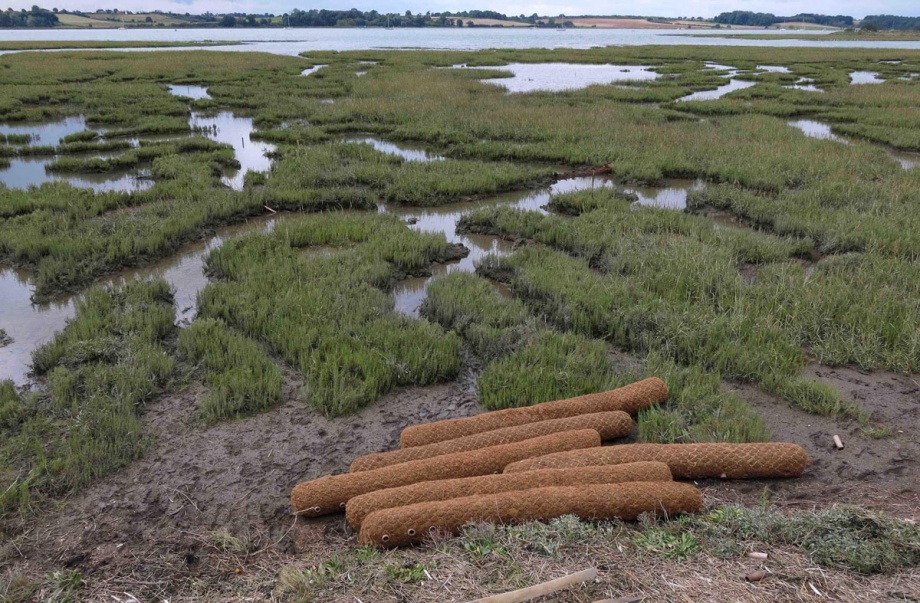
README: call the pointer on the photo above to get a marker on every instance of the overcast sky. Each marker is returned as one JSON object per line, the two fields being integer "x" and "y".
{"x": 664, "y": 8}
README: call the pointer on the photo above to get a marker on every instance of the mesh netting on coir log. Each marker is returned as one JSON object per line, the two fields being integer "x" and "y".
{"x": 687, "y": 461}
{"x": 405, "y": 525}
{"x": 329, "y": 494}
{"x": 629, "y": 399}
{"x": 360, "y": 507}
{"x": 609, "y": 425}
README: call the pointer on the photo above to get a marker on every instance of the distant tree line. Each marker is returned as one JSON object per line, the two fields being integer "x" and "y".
{"x": 373, "y": 18}
{"x": 40, "y": 17}
{"x": 37, "y": 17}
{"x": 746, "y": 17}
{"x": 891, "y": 22}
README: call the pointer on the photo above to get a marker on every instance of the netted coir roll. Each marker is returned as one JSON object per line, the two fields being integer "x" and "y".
{"x": 687, "y": 461}
{"x": 329, "y": 494}
{"x": 629, "y": 399}
{"x": 406, "y": 525}
{"x": 609, "y": 425}
{"x": 360, "y": 507}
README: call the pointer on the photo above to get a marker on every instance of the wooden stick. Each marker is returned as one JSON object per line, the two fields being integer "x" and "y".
{"x": 538, "y": 590}
{"x": 838, "y": 442}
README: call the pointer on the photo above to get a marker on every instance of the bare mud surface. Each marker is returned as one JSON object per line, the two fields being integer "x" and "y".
{"x": 235, "y": 477}
{"x": 877, "y": 472}
{"x": 156, "y": 527}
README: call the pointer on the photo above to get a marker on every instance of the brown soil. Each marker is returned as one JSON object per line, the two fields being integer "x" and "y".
{"x": 877, "y": 472}
{"x": 491, "y": 22}
{"x": 155, "y": 528}
{"x": 236, "y": 476}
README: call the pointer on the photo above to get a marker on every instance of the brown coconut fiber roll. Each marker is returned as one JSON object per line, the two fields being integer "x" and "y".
{"x": 329, "y": 494}
{"x": 406, "y": 525}
{"x": 360, "y": 507}
{"x": 687, "y": 461}
{"x": 629, "y": 399}
{"x": 610, "y": 425}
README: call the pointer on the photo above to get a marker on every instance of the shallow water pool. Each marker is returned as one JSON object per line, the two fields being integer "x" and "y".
{"x": 554, "y": 77}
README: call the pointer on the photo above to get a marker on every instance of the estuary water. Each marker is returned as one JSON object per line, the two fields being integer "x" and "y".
{"x": 296, "y": 41}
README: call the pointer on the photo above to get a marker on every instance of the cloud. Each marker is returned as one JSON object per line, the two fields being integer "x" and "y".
{"x": 665, "y": 8}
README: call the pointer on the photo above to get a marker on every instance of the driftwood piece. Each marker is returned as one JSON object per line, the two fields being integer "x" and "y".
{"x": 539, "y": 590}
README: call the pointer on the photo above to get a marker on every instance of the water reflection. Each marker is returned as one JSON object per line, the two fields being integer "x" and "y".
{"x": 774, "y": 68}
{"x": 719, "y": 92}
{"x": 27, "y": 172}
{"x": 816, "y": 129}
{"x": 234, "y": 131}
{"x": 193, "y": 92}
{"x": 28, "y": 325}
{"x": 804, "y": 83}
{"x": 672, "y": 196}
{"x": 31, "y": 325}
{"x": 530, "y": 77}
{"x": 46, "y": 134}
{"x": 407, "y": 152}
{"x": 865, "y": 77}
{"x": 311, "y": 70}
{"x": 408, "y": 295}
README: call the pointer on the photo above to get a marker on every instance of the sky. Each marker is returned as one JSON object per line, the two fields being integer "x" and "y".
{"x": 664, "y": 8}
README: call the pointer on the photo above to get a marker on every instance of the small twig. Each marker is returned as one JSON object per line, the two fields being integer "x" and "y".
{"x": 539, "y": 590}
{"x": 283, "y": 536}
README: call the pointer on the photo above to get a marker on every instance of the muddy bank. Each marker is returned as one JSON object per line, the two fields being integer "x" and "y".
{"x": 234, "y": 476}
{"x": 159, "y": 521}
{"x": 875, "y": 471}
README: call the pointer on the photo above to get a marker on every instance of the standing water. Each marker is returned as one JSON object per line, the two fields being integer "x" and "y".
{"x": 719, "y": 92}
{"x": 234, "y": 131}
{"x": 409, "y": 294}
{"x": 531, "y": 77}
{"x": 865, "y": 77}
{"x": 31, "y": 325}
{"x": 46, "y": 134}
{"x": 409, "y": 153}
{"x": 31, "y": 171}
{"x": 193, "y": 92}
{"x": 672, "y": 196}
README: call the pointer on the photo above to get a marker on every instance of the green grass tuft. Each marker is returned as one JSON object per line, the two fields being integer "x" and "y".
{"x": 242, "y": 378}
{"x": 102, "y": 369}
{"x": 311, "y": 291}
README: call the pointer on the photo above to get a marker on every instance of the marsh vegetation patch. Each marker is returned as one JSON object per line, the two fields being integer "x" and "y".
{"x": 470, "y": 249}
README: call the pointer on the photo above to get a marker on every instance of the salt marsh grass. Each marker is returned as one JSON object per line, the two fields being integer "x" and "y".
{"x": 243, "y": 380}
{"x": 526, "y": 363}
{"x": 312, "y": 292}
{"x": 621, "y": 278}
{"x": 820, "y": 264}
{"x": 101, "y": 370}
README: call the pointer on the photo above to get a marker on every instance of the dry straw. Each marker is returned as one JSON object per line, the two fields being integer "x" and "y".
{"x": 629, "y": 399}
{"x": 609, "y": 425}
{"x": 360, "y": 507}
{"x": 687, "y": 461}
{"x": 329, "y": 494}
{"x": 410, "y": 524}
